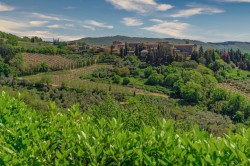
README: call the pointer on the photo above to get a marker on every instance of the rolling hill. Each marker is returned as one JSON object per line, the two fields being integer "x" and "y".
{"x": 109, "y": 40}
{"x": 243, "y": 46}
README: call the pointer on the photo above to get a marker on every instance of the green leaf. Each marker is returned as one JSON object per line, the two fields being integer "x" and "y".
{"x": 58, "y": 154}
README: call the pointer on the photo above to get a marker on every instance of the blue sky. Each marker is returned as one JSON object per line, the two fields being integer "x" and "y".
{"x": 206, "y": 20}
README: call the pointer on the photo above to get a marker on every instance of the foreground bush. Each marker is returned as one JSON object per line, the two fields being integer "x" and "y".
{"x": 29, "y": 137}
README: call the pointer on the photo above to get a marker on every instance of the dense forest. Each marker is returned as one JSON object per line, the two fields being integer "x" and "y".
{"x": 91, "y": 107}
{"x": 210, "y": 57}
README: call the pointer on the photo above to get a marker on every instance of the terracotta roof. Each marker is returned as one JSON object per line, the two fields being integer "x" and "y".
{"x": 133, "y": 42}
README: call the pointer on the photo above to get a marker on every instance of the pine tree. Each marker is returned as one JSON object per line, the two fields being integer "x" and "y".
{"x": 126, "y": 49}
{"x": 201, "y": 52}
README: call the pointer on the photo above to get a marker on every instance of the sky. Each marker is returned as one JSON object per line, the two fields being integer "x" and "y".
{"x": 205, "y": 20}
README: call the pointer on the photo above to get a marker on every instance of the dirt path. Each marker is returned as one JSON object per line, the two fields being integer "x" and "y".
{"x": 155, "y": 95}
{"x": 132, "y": 90}
{"x": 144, "y": 92}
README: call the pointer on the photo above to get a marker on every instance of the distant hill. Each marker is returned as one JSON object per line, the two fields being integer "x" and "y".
{"x": 243, "y": 46}
{"x": 109, "y": 40}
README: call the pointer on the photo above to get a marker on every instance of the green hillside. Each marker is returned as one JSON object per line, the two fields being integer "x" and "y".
{"x": 243, "y": 46}
{"x": 30, "y": 137}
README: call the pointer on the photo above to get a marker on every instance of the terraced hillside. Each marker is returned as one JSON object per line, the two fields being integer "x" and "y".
{"x": 72, "y": 79}
{"x": 240, "y": 86}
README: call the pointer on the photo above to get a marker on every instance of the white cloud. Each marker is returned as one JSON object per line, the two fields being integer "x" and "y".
{"x": 89, "y": 27}
{"x": 170, "y": 29}
{"x": 94, "y": 23}
{"x": 49, "y": 35}
{"x": 4, "y": 7}
{"x": 128, "y": 21}
{"x": 55, "y": 26}
{"x": 67, "y": 37}
{"x": 70, "y": 25}
{"x": 31, "y": 33}
{"x": 156, "y": 20}
{"x": 60, "y": 26}
{"x": 12, "y": 26}
{"x": 69, "y": 8}
{"x": 38, "y": 23}
{"x": 197, "y": 9}
{"x": 140, "y": 6}
{"x": 163, "y": 7}
{"x": 43, "y": 16}
{"x": 19, "y": 28}
{"x": 26, "y": 29}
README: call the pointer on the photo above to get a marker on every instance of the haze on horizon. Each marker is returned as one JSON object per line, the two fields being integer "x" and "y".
{"x": 205, "y": 20}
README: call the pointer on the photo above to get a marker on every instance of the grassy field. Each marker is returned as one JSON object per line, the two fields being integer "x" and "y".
{"x": 72, "y": 79}
{"x": 238, "y": 81}
{"x": 52, "y": 60}
{"x": 239, "y": 86}
{"x": 236, "y": 74}
{"x": 243, "y": 85}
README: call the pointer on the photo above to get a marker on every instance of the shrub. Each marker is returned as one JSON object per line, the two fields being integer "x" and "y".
{"x": 101, "y": 73}
{"x": 192, "y": 92}
{"x": 45, "y": 80}
{"x": 5, "y": 69}
{"x": 43, "y": 67}
{"x": 171, "y": 79}
{"x": 190, "y": 64}
{"x": 123, "y": 71}
{"x": 30, "y": 137}
{"x": 154, "y": 79}
{"x": 126, "y": 81}
{"x": 117, "y": 79}
{"x": 148, "y": 71}
{"x": 136, "y": 72}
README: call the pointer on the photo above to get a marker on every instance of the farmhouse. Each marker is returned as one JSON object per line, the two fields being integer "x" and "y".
{"x": 84, "y": 48}
{"x": 185, "y": 49}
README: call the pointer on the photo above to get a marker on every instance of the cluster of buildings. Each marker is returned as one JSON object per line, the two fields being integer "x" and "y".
{"x": 97, "y": 49}
{"x": 145, "y": 47}
{"x": 184, "y": 49}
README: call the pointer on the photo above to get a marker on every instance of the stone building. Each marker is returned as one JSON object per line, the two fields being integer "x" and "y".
{"x": 186, "y": 49}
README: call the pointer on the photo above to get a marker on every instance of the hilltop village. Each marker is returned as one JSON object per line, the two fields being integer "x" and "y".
{"x": 140, "y": 48}
{"x": 145, "y": 48}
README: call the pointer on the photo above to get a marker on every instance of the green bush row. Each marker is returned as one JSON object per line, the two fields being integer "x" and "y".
{"x": 29, "y": 137}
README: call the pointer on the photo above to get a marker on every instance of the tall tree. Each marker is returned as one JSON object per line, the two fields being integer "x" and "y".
{"x": 195, "y": 56}
{"x": 201, "y": 52}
